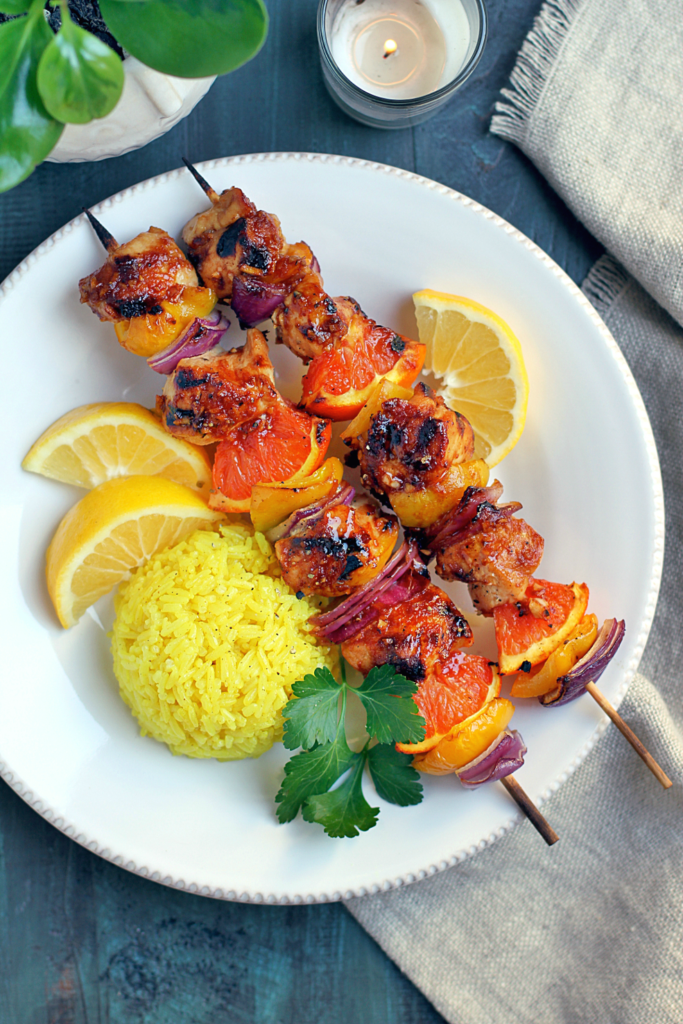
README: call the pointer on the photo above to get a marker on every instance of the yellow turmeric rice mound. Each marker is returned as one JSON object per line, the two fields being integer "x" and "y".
{"x": 208, "y": 641}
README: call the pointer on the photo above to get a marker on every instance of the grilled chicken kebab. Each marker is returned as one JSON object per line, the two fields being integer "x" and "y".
{"x": 415, "y": 455}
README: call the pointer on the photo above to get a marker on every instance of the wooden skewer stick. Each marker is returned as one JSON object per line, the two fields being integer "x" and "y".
{"x": 105, "y": 237}
{"x": 624, "y": 729}
{"x": 529, "y": 808}
{"x": 211, "y": 192}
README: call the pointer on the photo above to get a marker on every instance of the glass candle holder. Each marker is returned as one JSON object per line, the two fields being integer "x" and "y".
{"x": 393, "y": 63}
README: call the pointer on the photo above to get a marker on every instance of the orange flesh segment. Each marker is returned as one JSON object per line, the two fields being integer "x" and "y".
{"x": 277, "y": 445}
{"x": 543, "y": 678}
{"x": 451, "y": 694}
{"x": 522, "y": 636}
{"x": 468, "y": 741}
{"x": 339, "y": 381}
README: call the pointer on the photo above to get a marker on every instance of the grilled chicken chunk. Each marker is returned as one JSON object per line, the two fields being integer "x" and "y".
{"x": 412, "y": 443}
{"x": 337, "y": 551}
{"x": 309, "y": 321}
{"x": 208, "y": 395}
{"x": 416, "y": 636}
{"x": 138, "y": 276}
{"x": 495, "y": 554}
{"x": 233, "y": 238}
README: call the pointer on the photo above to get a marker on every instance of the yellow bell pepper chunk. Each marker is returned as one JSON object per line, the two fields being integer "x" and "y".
{"x": 382, "y": 392}
{"x": 272, "y": 503}
{"x": 152, "y": 333}
{"x": 471, "y": 738}
{"x": 422, "y": 508}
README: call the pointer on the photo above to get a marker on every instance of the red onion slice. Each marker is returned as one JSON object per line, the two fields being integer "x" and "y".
{"x": 465, "y": 511}
{"x": 329, "y": 623}
{"x": 395, "y": 594}
{"x": 503, "y": 757}
{"x": 203, "y": 334}
{"x": 589, "y": 668}
{"x": 344, "y": 495}
{"x": 254, "y": 299}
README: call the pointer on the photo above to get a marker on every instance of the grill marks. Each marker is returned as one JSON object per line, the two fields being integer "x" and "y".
{"x": 415, "y": 636}
{"x": 137, "y": 276}
{"x": 412, "y": 442}
{"x": 338, "y": 550}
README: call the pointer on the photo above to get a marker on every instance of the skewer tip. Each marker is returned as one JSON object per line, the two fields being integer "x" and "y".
{"x": 105, "y": 237}
{"x": 530, "y": 810}
{"x": 211, "y": 193}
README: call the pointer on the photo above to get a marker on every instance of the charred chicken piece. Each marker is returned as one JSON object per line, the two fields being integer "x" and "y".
{"x": 137, "y": 277}
{"x": 233, "y": 240}
{"x": 309, "y": 321}
{"x": 493, "y": 552}
{"x": 414, "y": 636}
{"x": 230, "y": 235}
{"x": 412, "y": 443}
{"x": 205, "y": 397}
{"x": 338, "y": 551}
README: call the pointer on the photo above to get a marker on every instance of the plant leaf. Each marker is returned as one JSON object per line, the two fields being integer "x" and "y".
{"x": 79, "y": 76}
{"x": 27, "y": 132}
{"x": 345, "y": 811}
{"x": 394, "y": 776}
{"x": 14, "y": 6}
{"x": 189, "y": 38}
{"x": 311, "y": 715}
{"x": 311, "y": 772}
{"x": 393, "y": 715}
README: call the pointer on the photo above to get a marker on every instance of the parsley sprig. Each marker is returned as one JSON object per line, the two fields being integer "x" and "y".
{"x": 315, "y": 719}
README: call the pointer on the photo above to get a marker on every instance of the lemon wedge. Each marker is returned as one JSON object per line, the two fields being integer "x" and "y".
{"x": 114, "y": 528}
{"x": 99, "y": 442}
{"x": 479, "y": 361}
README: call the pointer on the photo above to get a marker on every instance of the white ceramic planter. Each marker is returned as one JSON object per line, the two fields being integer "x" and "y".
{"x": 151, "y": 104}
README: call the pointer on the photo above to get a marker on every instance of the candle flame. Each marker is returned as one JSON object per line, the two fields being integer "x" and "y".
{"x": 390, "y": 46}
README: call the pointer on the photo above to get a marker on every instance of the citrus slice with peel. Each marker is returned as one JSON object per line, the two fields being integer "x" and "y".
{"x": 99, "y": 442}
{"x": 282, "y": 443}
{"x": 113, "y": 529}
{"x": 545, "y": 677}
{"x": 478, "y": 360}
{"x": 527, "y": 632}
{"x": 468, "y": 740}
{"x": 450, "y": 694}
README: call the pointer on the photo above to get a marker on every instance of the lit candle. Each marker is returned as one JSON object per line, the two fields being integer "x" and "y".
{"x": 398, "y": 51}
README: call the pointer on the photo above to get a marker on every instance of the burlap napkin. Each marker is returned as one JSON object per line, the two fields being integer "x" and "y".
{"x": 595, "y": 102}
{"x": 590, "y": 931}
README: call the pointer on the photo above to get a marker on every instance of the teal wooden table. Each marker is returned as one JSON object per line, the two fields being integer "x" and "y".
{"x": 82, "y": 941}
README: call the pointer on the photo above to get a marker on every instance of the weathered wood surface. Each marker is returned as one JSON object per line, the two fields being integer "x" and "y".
{"x": 81, "y": 940}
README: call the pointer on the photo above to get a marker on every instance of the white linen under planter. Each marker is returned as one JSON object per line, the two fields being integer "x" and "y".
{"x": 150, "y": 105}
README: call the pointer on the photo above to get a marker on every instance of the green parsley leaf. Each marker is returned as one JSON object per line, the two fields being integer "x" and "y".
{"x": 394, "y": 776}
{"x": 345, "y": 811}
{"x": 312, "y": 772}
{"x": 390, "y": 719}
{"x": 311, "y": 715}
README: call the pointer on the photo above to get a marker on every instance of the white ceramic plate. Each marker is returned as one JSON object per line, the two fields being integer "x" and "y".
{"x": 586, "y": 470}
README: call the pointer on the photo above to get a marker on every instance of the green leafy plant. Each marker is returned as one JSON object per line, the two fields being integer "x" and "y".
{"x": 315, "y": 721}
{"x": 51, "y": 79}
